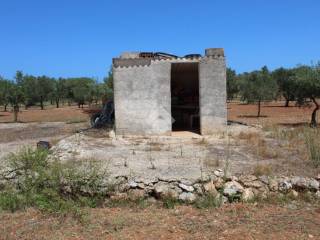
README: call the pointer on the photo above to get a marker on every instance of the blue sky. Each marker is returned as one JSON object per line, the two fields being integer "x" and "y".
{"x": 73, "y": 38}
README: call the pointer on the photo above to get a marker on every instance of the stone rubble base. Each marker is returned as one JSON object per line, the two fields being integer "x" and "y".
{"x": 242, "y": 188}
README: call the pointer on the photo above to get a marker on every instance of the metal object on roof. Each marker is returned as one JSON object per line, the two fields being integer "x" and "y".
{"x": 194, "y": 55}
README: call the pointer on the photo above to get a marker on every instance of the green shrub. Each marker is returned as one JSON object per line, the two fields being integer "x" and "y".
{"x": 32, "y": 180}
{"x": 169, "y": 201}
{"x": 208, "y": 201}
{"x": 11, "y": 201}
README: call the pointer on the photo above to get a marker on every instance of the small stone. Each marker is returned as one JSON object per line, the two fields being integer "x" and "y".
{"x": 294, "y": 193}
{"x": 112, "y": 134}
{"x": 210, "y": 188}
{"x": 318, "y": 177}
{"x": 160, "y": 188}
{"x": 264, "y": 179}
{"x": 254, "y": 184}
{"x": 285, "y": 186}
{"x": 273, "y": 185}
{"x": 135, "y": 194}
{"x": 163, "y": 190}
{"x": 232, "y": 188}
{"x": 186, "y": 187}
{"x": 218, "y": 172}
{"x": 132, "y": 184}
{"x": 314, "y": 184}
{"x": 66, "y": 189}
{"x": 299, "y": 182}
{"x": 247, "y": 195}
{"x": 234, "y": 178}
{"x": 186, "y": 182}
{"x": 198, "y": 188}
{"x": 247, "y": 178}
{"x": 219, "y": 183}
{"x": 119, "y": 196}
{"x": 123, "y": 187}
{"x": 187, "y": 197}
{"x": 318, "y": 194}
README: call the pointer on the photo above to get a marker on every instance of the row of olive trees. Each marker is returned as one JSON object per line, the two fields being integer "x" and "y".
{"x": 30, "y": 90}
{"x": 300, "y": 84}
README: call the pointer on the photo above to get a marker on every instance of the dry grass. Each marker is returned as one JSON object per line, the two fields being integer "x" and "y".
{"x": 237, "y": 221}
{"x": 274, "y": 111}
{"x": 211, "y": 163}
{"x": 260, "y": 170}
{"x": 258, "y": 145}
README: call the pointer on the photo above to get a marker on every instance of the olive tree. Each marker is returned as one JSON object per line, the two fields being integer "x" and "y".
{"x": 232, "y": 84}
{"x": 307, "y": 88}
{"x": 4, "y": 92}
{"x": 257, "y": 87}
{"x": 285, "y": 81}
{"x": 16, "y": 97}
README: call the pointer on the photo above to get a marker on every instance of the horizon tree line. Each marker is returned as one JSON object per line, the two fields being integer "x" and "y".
{"x": 300, "y": 84}
{"x": 28, "y": 90}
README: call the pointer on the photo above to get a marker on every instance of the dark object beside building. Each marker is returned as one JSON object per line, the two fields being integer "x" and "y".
{"x": 43, "y": 145}
{"x": 105, "y": 117}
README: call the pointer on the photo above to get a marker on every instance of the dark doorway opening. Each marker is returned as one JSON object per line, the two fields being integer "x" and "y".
{"x": 185, "y": 97}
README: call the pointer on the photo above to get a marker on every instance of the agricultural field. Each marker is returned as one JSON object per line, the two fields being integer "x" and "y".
{"x": 269, "y": 145}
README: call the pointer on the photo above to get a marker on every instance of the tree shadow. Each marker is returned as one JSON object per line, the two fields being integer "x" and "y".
{"x": 252, "y": 116}
{"x": 297, "y": 124}
{"x": 277, "y": 106}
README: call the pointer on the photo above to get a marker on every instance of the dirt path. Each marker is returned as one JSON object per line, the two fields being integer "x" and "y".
{"x": 14, "y": 136}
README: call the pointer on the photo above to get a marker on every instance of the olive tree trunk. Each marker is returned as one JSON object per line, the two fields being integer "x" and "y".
{"x": 314, "y": 113}
{"x": 259, "y": 108}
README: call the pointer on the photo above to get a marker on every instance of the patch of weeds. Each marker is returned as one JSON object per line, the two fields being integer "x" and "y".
{"x": 209, "y": 201}
{"x": 309, "y": 197}
{"x": 31, "y": 180}
{"x": 139, "y": 202}
{"x": 169, "y": 202}
{"x": 203, "y": 142}
{"x": 312, "y": 142}
{"x": 11, "y": 201}
{"x": 274, "y": 198}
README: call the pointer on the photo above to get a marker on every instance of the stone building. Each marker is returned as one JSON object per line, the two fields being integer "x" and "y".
{"x": 157, "y": 93}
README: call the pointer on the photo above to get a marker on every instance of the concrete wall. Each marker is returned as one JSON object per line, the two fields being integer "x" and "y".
{"x": 142, "y": 94}
{"x": 142, "y": 99}
{"x": 212, "y": 84}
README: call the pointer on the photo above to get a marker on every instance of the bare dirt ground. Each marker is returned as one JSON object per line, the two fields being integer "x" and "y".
{"x": 49, "y": 114}
{"x": 230, "y": 222}
{"x": 14, "y": 136}
{"x": 246, "y": 152}
{"x": 271, "y": 113}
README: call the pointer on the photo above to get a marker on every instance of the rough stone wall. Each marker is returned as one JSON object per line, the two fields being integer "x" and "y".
{"x": 142, "y": 99}
{"x": 212, "y": 84}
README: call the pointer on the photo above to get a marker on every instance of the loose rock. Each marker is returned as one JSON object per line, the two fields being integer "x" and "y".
{"x": 285, "y": 186}
{"x": 186, "y": 187}
{"x": 232, "y": 188}
{"x": 210, "y": 188}
{"x": 247, "y": 195}
{"x": 187, "y": 197}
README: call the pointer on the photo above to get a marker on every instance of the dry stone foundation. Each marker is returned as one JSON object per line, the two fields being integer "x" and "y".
{"x": 242, "y": 188}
